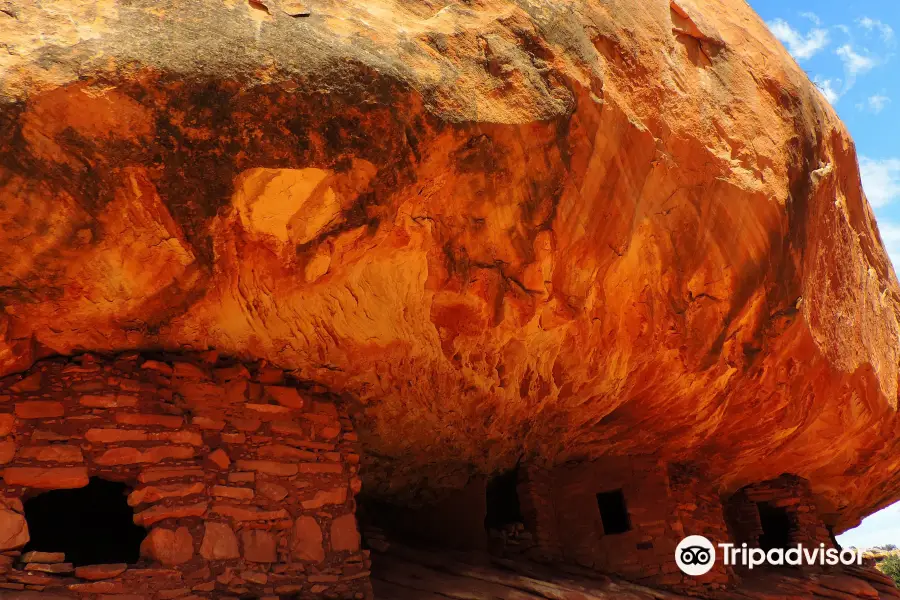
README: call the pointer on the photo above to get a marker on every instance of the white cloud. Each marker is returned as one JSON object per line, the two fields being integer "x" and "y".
{"x": 885, "y": 30}
{"x": 855, "y": 63}
{"x": 875, "y": 104}
{"x": 881, "y": 182}
{"x": 829, "y": 88}
{"x": 801, "y": 46}
{"x": 812, "y": 17}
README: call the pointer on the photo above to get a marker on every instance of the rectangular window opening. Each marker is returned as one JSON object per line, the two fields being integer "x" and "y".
{"x": 613, "y": 512}
{"x": 777, "y": 524}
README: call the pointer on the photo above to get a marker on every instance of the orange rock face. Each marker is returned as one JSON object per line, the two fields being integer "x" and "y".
{"x": 168, "y": 547}
{"x": 557, "y": 230}
{"x": 307, "y": 540}
{"x": 52, "y": 478}
{"x": 99, "y": 572}
{"x": 13, "y": 530}
{"x": 219, "y": 542}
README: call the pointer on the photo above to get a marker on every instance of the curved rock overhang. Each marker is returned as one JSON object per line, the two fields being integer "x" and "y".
{"x": 554, "y": 230}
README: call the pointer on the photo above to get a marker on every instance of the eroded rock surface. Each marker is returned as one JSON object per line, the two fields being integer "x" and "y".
{"x": 561, "y": 230}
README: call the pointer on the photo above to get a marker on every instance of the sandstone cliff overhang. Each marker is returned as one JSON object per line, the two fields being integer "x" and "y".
{"x": 557, "y": 230}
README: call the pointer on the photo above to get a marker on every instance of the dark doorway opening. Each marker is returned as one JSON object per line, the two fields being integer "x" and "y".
{"x": 503, "y": 500}
{"x": 92, "y": 525}
{"x": 613, "y": 512}
{"x": 776, "y": 525}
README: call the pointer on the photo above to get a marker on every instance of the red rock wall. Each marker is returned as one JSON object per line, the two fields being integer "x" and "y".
{"x": 560, "y": 243}
{"x": 245, "y": 484}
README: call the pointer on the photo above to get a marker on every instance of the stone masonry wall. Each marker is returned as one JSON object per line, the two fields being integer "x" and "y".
{"x": 789, "y": 492}
{"x": 536, "y": 501}
{"x": 646, "y": 552}
{"x": 244, "y": 482}
{"x": 698, "y": 511}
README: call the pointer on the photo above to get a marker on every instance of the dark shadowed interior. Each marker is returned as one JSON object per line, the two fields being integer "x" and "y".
{"x": 503, "y": 500}
{"x": 92, "y": 525}
{"x": 613, "y": 512}
{"x": 776, "y": 526}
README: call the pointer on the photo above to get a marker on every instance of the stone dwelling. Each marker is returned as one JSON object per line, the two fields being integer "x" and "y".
{"x": 193, "y": 477}
{"x": 621, "y": 516}
{"x": 211, "y": 477}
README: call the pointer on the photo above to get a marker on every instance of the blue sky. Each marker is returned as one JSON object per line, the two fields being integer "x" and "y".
{"x": 850, "y": 49}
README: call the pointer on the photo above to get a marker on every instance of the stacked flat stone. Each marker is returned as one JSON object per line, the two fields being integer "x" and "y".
{"x": 244, "y": 478}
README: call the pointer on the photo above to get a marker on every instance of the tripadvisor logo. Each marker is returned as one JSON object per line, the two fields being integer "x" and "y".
{"x": 695, "y": 555}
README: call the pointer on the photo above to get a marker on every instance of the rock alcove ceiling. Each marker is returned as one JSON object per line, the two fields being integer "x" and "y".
{"x": 501, "y": 229}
